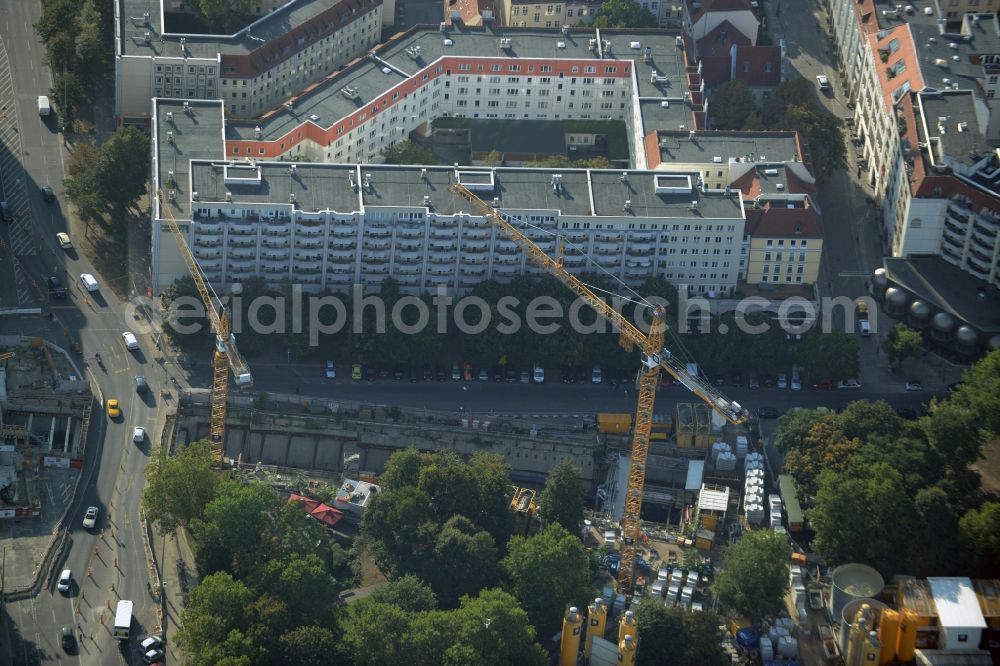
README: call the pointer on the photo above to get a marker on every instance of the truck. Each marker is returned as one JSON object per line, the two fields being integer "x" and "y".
{"x": 123, "y": 620}
{"x": 43, "y": 105}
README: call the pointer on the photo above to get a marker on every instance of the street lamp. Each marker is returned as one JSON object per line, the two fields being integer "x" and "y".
{"x": 486, "y": 625}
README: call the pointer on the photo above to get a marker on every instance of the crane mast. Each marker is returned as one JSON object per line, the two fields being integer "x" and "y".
{"x": 654, "y": 357}
{"x": 227, "y": 357}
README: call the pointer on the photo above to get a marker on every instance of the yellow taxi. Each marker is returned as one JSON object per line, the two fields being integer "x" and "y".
{"x": 114, "y": 411}
{"x": 356, "y": 371}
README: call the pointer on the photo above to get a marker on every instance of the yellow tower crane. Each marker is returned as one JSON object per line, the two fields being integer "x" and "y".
{"x": 227, "y": 357}
{"x": 654, "y": 357}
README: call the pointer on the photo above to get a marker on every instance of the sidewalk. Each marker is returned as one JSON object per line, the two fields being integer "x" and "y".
{"x": 179, "y": 576}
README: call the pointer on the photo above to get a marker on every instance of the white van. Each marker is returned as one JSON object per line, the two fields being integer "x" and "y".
{"x": 43, "y": 105}
{"x": 89, "y": 282}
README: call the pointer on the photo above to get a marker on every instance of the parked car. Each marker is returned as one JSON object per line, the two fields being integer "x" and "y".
{"x": 48, "y": 194}
{"x": 823, "y": 82}
{"x": 768, "y": 412}
{"x": 90, "y": 517}
{"x": 567, "y": 374}
{"x": 56, "y": 288}
{"x": 397, "y": 374}
{"x": 467, "y": 371}
{"x": 356, "y": 371}
{"x": 153, "y": 656}
{"x": 539, "y": 374}
{"x": 331, "y": 370}
{"x": 864, "y": 328}
{"x": 6, "y": 213}
{"x": 752, "y": 380}
{"x": 782, "y": 380}
{"x": 152, "y": 642}
{"x": 849, "y": 384}
{"x": 595, "y": 375}
{"x": 484, "y": 375}
{"x": 510, "y": 375}
{"x": 823, "y": 385}
{"x": 914, "y": 385}
{"x": 428, "y": 373}
{"x": 525, "y": 377}
{"x": 370, "y": 373}
{"x": 67, "y": 638}
{"x": 64, "y": 241}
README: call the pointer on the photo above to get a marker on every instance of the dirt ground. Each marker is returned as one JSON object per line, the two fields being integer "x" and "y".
{"x": 989, "y": 468}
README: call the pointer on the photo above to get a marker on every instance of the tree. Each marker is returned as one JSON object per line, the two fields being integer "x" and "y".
{"x": 793, "y": 106}
{"x": 180, "y": 487}
{"x": 753, "y": 576}
{"x": 492, "y": 159}
{"x": 308, "y": 646}
{"x": 233, "y": 526}
{"x": 229, "y": 15}
{"x": 979, "y": 536}
{"x": 548, "y": 571}
{"x": 902, "y": 343}
{"x": 623, "y": 14}
{"x": 732, "y": 104}
{"x": 464, "y": 561}
{"x": 980, "y": 392}
{"x": 215, "y": 619}
{"x": 675, "y": 636}
{"x": 90, "y": 48}
{"x": 302, "y": 583}
{"x": 408, "y": 592}
{"x": 365, "y": 639}
{"x": 408, "y": 152}
{"x": 824, "y": 447}
{"x": 123, "y": 167}
{"x": 794, "y": 426}
{"x": 181, "y": 301}
{"x": 864, "y": 419}
{"x": 562, "y": 497}
{"x": 937, "y": 529}
{"x": 829, "y": 356}
{"x": 863, "y": 515}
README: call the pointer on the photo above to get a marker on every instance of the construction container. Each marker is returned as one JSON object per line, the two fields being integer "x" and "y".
{"x": 718, "y": 448}
{"x": 703, "y": 539}
{"x": 597, "y": 618}
{"x": 796, "y": 518}
{"x": 906, "y": 637}
{"x": 726, "y": 462}
{"x": 853, "y": 581}
{"x": 787, "y": 647}
{"x": 619, "y": 424}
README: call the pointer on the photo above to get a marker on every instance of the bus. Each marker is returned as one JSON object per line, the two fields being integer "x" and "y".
{"x": 123, "y": 620}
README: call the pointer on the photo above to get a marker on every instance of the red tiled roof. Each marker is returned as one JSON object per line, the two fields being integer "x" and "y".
{"x": 752, "y": 63}
{"x": 471, "y": 11}
{"x": 781, "y": 222}
{"x": 322, "y": 512}
{"x": 715, "y": 52}
{"x": 309, "y": 503}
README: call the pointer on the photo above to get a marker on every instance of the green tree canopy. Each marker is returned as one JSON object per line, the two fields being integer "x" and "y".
{"x": 562, "y": 497}
{"x": 623, "y": 14}
{"x": 794, "y": 425}
{"x": 466, "y": 561}
{"x": 227, "y": 15}
{"x": 408, "y": 152}
{"x": 831, "y": 356}
{"x": 233, "y": 527}
{"x": 902, "y": 343}
{"x": 408, "y": 592}
{"x": 753, "y": 576}
{"x": 308, "y": 645}
{"x": 215, "y": 620}
{"x": 732, "y": 105}
{"x": 675, "y": 636}
{"x": 979, "y": 532}
{"x": 980, "y": 393}
{"x": 548, "y": 571}
{"x": 123, "y": 167}
{"x": 179, "y": 488}
{"x": 824, "y": 447}
{"x": 793, "y": 106}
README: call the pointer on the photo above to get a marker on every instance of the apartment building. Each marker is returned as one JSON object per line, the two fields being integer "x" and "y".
{"x": 643, "y": 79}
{"x": 299, "y": 194}
{"x": 328, "y": 226}
{"x": 784, "y": 241}
{"x": 891, "y": 55}
{"x": 254, "y": 70}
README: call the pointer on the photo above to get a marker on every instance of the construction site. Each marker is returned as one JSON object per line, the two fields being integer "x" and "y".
{"x": 45, "y": 411}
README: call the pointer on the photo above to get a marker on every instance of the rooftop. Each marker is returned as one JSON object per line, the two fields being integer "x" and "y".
{"x": 951, "y": 118}
{"x": 252, "y": 38}
{"x": 672, "y": 116}
{"x": 314, "y": 188}
{"x": 956, "y": 602}
{"x": 713, "y": 498}
{"x": 353, "y": 496}
{"x": 955, "y": 42}
{"x": 678, "y": 146}
{"x": 197, "y": 135}
{"x": 947, "y": 288}
{"x": 774, "y": 220}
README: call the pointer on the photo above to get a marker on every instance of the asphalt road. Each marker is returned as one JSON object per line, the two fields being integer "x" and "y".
{"x": 113, "y": 467}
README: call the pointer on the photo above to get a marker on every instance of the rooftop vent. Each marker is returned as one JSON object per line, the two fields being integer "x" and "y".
{"x": 293, "y": 168}
{"x": 289, "y": 105}
{"x": 187, "y": 108}
{"x": 291, "y": 197}
{"x": 194, "y": 196}
{"x": 170, "y": 136}
{"x": 770, "y": 172}
{"x": 171, "y": 196}
{"x": 442, "y": 27}
{"x": 647, "y": 54}
{"x": 717, "y": 159}
{"x": 229, "y": 196}
{"x": 962, "y": 127}
{"x": 694, "y": 205}
{"x": 679, "y": 41}
{"x": 560, "y": 45}
{"x": 956, "y": 58}
{"x": 256, "y": 132}
{"x": 565, "y": 30}
{"x": 628, "y": 205}
{"x": 350, "y": 179}
{"x": 368, "y": 181}
{"x": 146, "y": 37}
{"x": 350, "y": 92}
{"x": 423, "y": 174}
{"x": 496, "y": 201}
{"x": 506, "y": 43}
{"x": 952, "y": 45}
{"x": 413, "y": 51}
{"x": 170, "y": 116}
{"x": 635, "y": 46}
{"x": 448, "y": 42}
{"x": 427, "y": 200}
{"x": 665, "y": 104}
{"x": 940, "y": 62}
{"x": 624, "y": 177}
{"x": 780, "y": 186}
{"x": 593, "y": 45}
{"x": 692, "y": 134}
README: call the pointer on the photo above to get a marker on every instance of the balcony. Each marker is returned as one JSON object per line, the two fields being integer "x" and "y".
{"x": 608, "y": 260}
{"x": 308, "y": 243}
{"x": 473, "y": 261}
{"x": 410, "y": 233}
{"x": 506, "y": 261}
{"x": 408, "y": 270}
{"x": 201, "y": 253}
{"x": 311, "y": 279}
{"x": 954, "y": 237}
{"x": 275, "y": 243}
{"x": 212, "y": 264}
{"x": 340, "y": 257}
{"x": 378, "y": 232}
{"x": 608, "y": 248}
{"x": 346, "y": 244}
{"x": 439, "y": 272}
{"x": 409, "y": 246}
{"x": 546, "y": 246}
{"x": 274, "y": 256}
{"x": 986, "y": 230}
{"x": 476, "y": 234}
{"x": 505, "y": 270}
{"x": 242, "y": 230}
{"x": 574, "y": 260}
{"x": 208, "y": 241}
{"x": 506, "y": 247}
{"x": 980, "y": 241}
{"x": 475, "y": 246}
{"x": 311, "y": 223}
{"x": 950, "y": 255}
{"x": 274, "y": 230}
{"x": 443, "y": 222}
{"x": 341, "y": 231}
{"x": 639, "y": 250}
{"x": 242, "y": 254}
{"x": 409, "y": 257}
{"x": 441, "y": 259}
{"x": 213, "y": 276}
{"x": 307, "y": 268}
{"x": 309, "y": 255}
{"x": 444, "y": 234}
{"x": 236, "y": 241}
{"x": 207, "y": 228}
{"x": 409, "y": 280}
{"x": 302, "y": 230}
{"x": 273, "y": 267}
{"x": 610, "y": 238}
{"x": 377, "y": 244}
{"x": 441, "y": 246}
{"x": 577, "y": 238}
{"x": 978, "y": 269}
{"x": 642, "y": 237}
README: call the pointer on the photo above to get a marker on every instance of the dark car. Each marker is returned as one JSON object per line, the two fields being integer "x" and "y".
{"x": 6, "y": 214}
{"x": 140, "y": 384}
{"x": 397, "y": 373}
{"x": 510, "y": 375}
{"x": 67, "y": 638}
{"x": 370, "y": 373}
{"x": 768, "y": 412}
{"x": 48, "y": 194}
{"x": 414, "y": 375}
{"x": 56, "y": 288}
{"x": 567, "y": 374}
{"x": 428, "y": 373}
